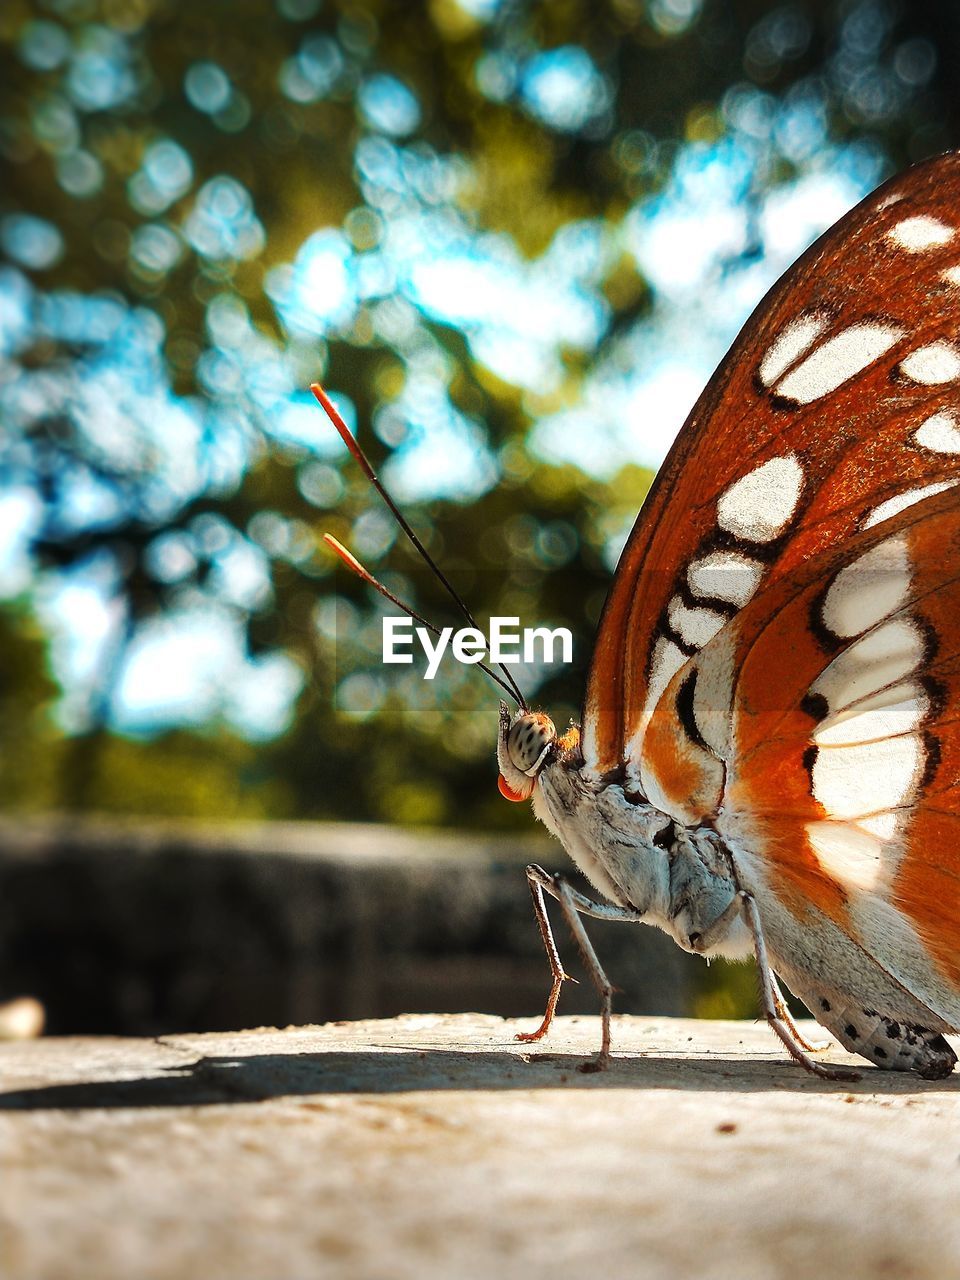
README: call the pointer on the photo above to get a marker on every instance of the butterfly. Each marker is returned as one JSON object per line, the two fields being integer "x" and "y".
{"x": 768, "y": 760}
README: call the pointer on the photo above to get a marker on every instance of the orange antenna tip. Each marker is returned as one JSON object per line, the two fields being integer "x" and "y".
{"x": 346, "y": 435}
{"x": 348, "y": 559}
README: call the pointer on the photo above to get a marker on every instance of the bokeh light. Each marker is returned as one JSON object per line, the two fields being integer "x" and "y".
{"x": 513, "y": 246}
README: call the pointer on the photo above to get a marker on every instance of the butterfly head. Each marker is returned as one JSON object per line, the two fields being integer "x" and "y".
{"x": 525, "y": 745}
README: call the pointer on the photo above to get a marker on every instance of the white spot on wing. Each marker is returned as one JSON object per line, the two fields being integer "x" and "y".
{"x": 903, "y": 500}
{"x": 724, "y": 575}
{"x": 869, "y": 590}
{"x": 922, "y": 232}
{"x": 951, "y": 275}
{"x": 760, "y": 505}
{"x": 867, "y": 778}
{"x": 789, "y": 345}
{"x": 882, "y": 657}
{"x": 899, "y": 710}
{"x": 850, "y": 856}
{"x": 588, "y": 739}
{"x": 836, "y": 360}
{"x": 883, "y": 825}
{"x": 694, "y": 626}
{"x": 936, "y": 362}
{"x": 666, "y": 662}
{"x": 713, "y": 694}
{"x": 939, "y": 433}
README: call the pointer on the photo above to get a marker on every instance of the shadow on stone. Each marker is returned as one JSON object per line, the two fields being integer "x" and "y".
{"x": 215, "y": 1081}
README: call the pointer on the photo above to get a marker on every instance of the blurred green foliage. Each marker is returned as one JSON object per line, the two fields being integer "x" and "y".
{"x": 120, "y": 118}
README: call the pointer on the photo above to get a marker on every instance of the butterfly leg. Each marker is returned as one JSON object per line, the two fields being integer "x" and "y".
{"x": 573, "y": 904}
{"x": 553, "y": 955}
{"x": 769, "y": 992}
{"x": 811, "y": 1046}
{"x": 703, "y": 942}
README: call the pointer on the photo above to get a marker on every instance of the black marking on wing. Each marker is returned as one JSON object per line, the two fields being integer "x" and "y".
{"x": 815, "y": 706}
{"x": 685, "y": 711}
{"x": 932, "y": 757}
{"x": 666, "y": 629}
{"x": 724, "y": 607}
{"x": 785, "y": 402}
{"x": 828, "y": 640}
{"x": 937, "y": 695}
{"x": 766, "y": 552}
{"x": 931, "y": 641}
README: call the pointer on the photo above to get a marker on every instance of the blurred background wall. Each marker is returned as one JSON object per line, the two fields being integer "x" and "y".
{"x": 512, "y": 238}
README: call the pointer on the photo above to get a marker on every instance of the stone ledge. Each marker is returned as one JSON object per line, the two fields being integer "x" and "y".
{"x": 436, "y": 1147}
{"x": 142, "y": 928}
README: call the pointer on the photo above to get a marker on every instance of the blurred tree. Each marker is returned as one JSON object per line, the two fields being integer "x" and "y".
{"x": 463, "y": 216}
{"x": 29, "y": 743}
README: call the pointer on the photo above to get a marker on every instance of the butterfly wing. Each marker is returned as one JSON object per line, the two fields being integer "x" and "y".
{"x": 839, "y": 402}
{"x": 837, "y": 744}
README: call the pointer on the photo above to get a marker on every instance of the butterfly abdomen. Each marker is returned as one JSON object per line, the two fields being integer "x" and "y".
{"x": 889, "y": 1042}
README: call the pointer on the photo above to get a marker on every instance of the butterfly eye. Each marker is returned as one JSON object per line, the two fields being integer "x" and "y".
{"x": 529, "y": 741}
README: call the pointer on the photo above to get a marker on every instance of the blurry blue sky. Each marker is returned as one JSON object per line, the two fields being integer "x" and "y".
{"x": 408, "y": 252}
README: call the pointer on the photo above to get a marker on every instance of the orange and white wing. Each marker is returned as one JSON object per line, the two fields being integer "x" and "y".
{"x": 825, "y": 731}
{"x": 839, "y": 402}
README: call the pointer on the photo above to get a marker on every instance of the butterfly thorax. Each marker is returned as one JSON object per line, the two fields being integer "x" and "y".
{"x": 678, "y": 878}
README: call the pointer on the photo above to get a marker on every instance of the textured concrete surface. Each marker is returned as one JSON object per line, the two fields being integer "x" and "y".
{"x": 437, "y": 1147}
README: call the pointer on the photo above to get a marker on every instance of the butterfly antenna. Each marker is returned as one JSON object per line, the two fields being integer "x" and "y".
{"x": 354, "y": 564}
{"x": 348, "y": 438}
